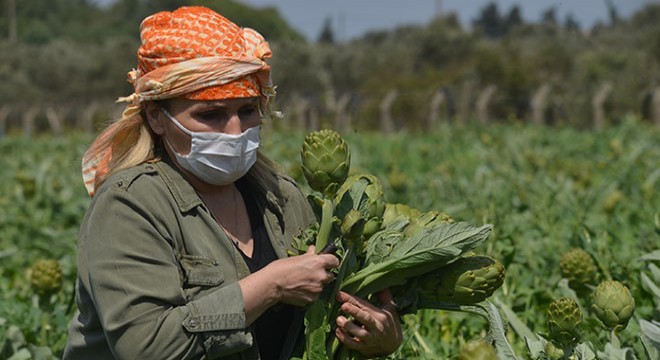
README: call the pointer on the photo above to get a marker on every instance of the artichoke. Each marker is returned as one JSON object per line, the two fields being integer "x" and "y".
{"x": 28, "y": 183}
{"x": 476, "y": 350}
{"x": 396, "y": 211}
{"x": 564, "y": 319}
{"x": 352, "y": 227}
{"x": 424, "y": 220}
{"x": 579, "y": 268}
{"x": 613, "y": 304}
{"x": 552, "y": 352}
{"x": 325, "y": 161}
{"x": 371, "y": 204}
{"x": 46, "y": 277}
{"x": 466, "y": 281}
{"x": 397, "y": 179}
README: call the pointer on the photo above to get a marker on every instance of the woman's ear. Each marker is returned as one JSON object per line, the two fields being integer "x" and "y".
{"x": 155, "y": 117}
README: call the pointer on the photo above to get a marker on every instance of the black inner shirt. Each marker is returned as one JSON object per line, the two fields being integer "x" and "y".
{"x": 272, "y": 327}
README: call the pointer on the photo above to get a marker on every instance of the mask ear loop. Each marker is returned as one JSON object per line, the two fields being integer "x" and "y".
{"x": 176, "y": 122}
{"x": 181, "y": 127}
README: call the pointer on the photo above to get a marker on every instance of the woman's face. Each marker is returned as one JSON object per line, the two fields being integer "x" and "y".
{"x": 229, "y": 116}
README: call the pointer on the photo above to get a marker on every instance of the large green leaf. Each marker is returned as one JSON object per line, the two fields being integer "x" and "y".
{"x": 426, "y": 251}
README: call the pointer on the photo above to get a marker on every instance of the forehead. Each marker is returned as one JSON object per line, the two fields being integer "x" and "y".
{"x": 181, "y": 104}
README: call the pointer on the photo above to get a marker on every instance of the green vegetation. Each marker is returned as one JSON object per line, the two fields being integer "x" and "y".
{"x": 546, "y": 191}
{"x": 71, "y": 53}
{"x": 572, "y": 210}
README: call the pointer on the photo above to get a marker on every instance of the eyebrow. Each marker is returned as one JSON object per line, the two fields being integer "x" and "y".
{"x": 222, "y": 104}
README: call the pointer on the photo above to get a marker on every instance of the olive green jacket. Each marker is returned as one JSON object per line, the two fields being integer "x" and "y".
{"x": 158, "y": 278}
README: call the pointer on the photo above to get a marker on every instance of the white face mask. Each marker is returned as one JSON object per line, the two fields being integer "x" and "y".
{"x": 217, "y": 158}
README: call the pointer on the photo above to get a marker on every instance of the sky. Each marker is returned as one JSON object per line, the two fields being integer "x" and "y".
{"x": 354, "y": 18}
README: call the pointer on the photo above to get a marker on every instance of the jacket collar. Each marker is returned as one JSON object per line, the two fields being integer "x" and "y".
{"x": 187, "y": 198}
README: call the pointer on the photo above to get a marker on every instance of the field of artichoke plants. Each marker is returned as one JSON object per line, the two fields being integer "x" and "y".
{"x": 498, "y": 242}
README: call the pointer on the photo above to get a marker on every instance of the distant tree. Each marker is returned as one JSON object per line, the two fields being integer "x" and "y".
{"x": 327, "y": 35}
{"x": 612, "y": 12}
{"x": 490, "y": 22}
{"x": 267, "y": 20}
{"x": 571, "y": 24}
{"x": 513, "y": 19}
{"x": 549, "y": 17}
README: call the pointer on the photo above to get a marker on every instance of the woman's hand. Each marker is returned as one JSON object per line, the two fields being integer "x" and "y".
{"x": 300, "y": 279}
{"x": 374, "y": 331}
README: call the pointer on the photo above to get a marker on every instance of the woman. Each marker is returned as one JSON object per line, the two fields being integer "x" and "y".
{"x": 182, "y": 252}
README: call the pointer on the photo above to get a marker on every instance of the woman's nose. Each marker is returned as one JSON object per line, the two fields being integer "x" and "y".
{"x": 234, "y": 125}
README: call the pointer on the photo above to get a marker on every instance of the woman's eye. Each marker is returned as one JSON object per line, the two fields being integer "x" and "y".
{"x": 212, "y": 116}
{"x": 249, "y": 110}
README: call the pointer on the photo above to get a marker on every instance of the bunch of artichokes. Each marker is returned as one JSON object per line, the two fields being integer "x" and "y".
{"x": 420, "y": 256}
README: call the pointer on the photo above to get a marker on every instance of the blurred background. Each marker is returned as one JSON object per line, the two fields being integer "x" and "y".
{"x": 382, "y": 65}
{"x": 539, "y": 117}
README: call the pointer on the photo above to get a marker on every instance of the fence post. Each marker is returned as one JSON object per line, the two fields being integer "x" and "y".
{"x": 86, "y": 118}
{"x": 464, "y": 102}
{"x": 482, "y": 103}
{"x": 434, "y": 108}
{"x": 299, "y": 107}
{"x": 538, "y": 104}
{"x": 386, "y": 121}
{"x": 28, "y": 120}
{"x": 655, "y": 106}
{"x": 5, "y": 110}
{"x": 342, "y": 115}
{"x": 597, "y": 104}
{"x": 54, "y": 118}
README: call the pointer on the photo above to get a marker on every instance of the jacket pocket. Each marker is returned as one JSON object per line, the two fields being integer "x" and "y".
{"x": 200, "y": 271}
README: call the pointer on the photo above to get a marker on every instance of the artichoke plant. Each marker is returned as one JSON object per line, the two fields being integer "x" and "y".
{"x": 470, "y": 280}
{"x": 352, "y": 227}
{"x": 424, "y": 220}
{"x": 397, "y": 211}
{"x": 613, "y": 304}
{"x": 371, "y": 203}
{"x": 477, "y": 350}
{"x": 564, "y": 320}
{"x": 552, "y": 352}
{"x": 466, "y": 281}
{"x": 578, "y": 267}
{"x": 325, "y": 161}
{"x": 46, "y": 277}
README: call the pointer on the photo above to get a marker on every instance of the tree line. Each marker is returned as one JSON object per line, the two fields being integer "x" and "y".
{"x": 63, "y": 62}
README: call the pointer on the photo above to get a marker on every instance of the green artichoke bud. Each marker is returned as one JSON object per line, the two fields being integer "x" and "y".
{"x": 46, "y": 277}
{"x": 579, "y": 268}
{"x": 352, "y": 226}
{"x": 425, "y": 220}
{"x": 397, "y": 179}
{"x": 613, "y": 304}
{"x": 552, "y": 352}
{"x": 325, "y": 161}
{"x": 564, "y": 319}
{"x": 372, "y": 203}
{"x": 396, "y": 211}
{"x": 466, "y": 281}
{"x": 476, "y": 350}
{"x": 28, "y": 183}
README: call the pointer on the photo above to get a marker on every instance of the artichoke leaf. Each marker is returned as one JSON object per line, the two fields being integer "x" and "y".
{"x": 428, "y": 250}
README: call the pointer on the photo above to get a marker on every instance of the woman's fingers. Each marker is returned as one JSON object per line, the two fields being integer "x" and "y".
{"x": 359, "y": 309}
{"x": 375, "y": 330}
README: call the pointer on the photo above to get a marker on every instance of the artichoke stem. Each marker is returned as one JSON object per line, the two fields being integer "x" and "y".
{"x": 326, "y": 224}
{"x": 43, "y": 333}
{"x": 614, "y": 339}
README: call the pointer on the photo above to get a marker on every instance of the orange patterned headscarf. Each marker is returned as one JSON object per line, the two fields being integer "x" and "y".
{"x": 194, "y": 53}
